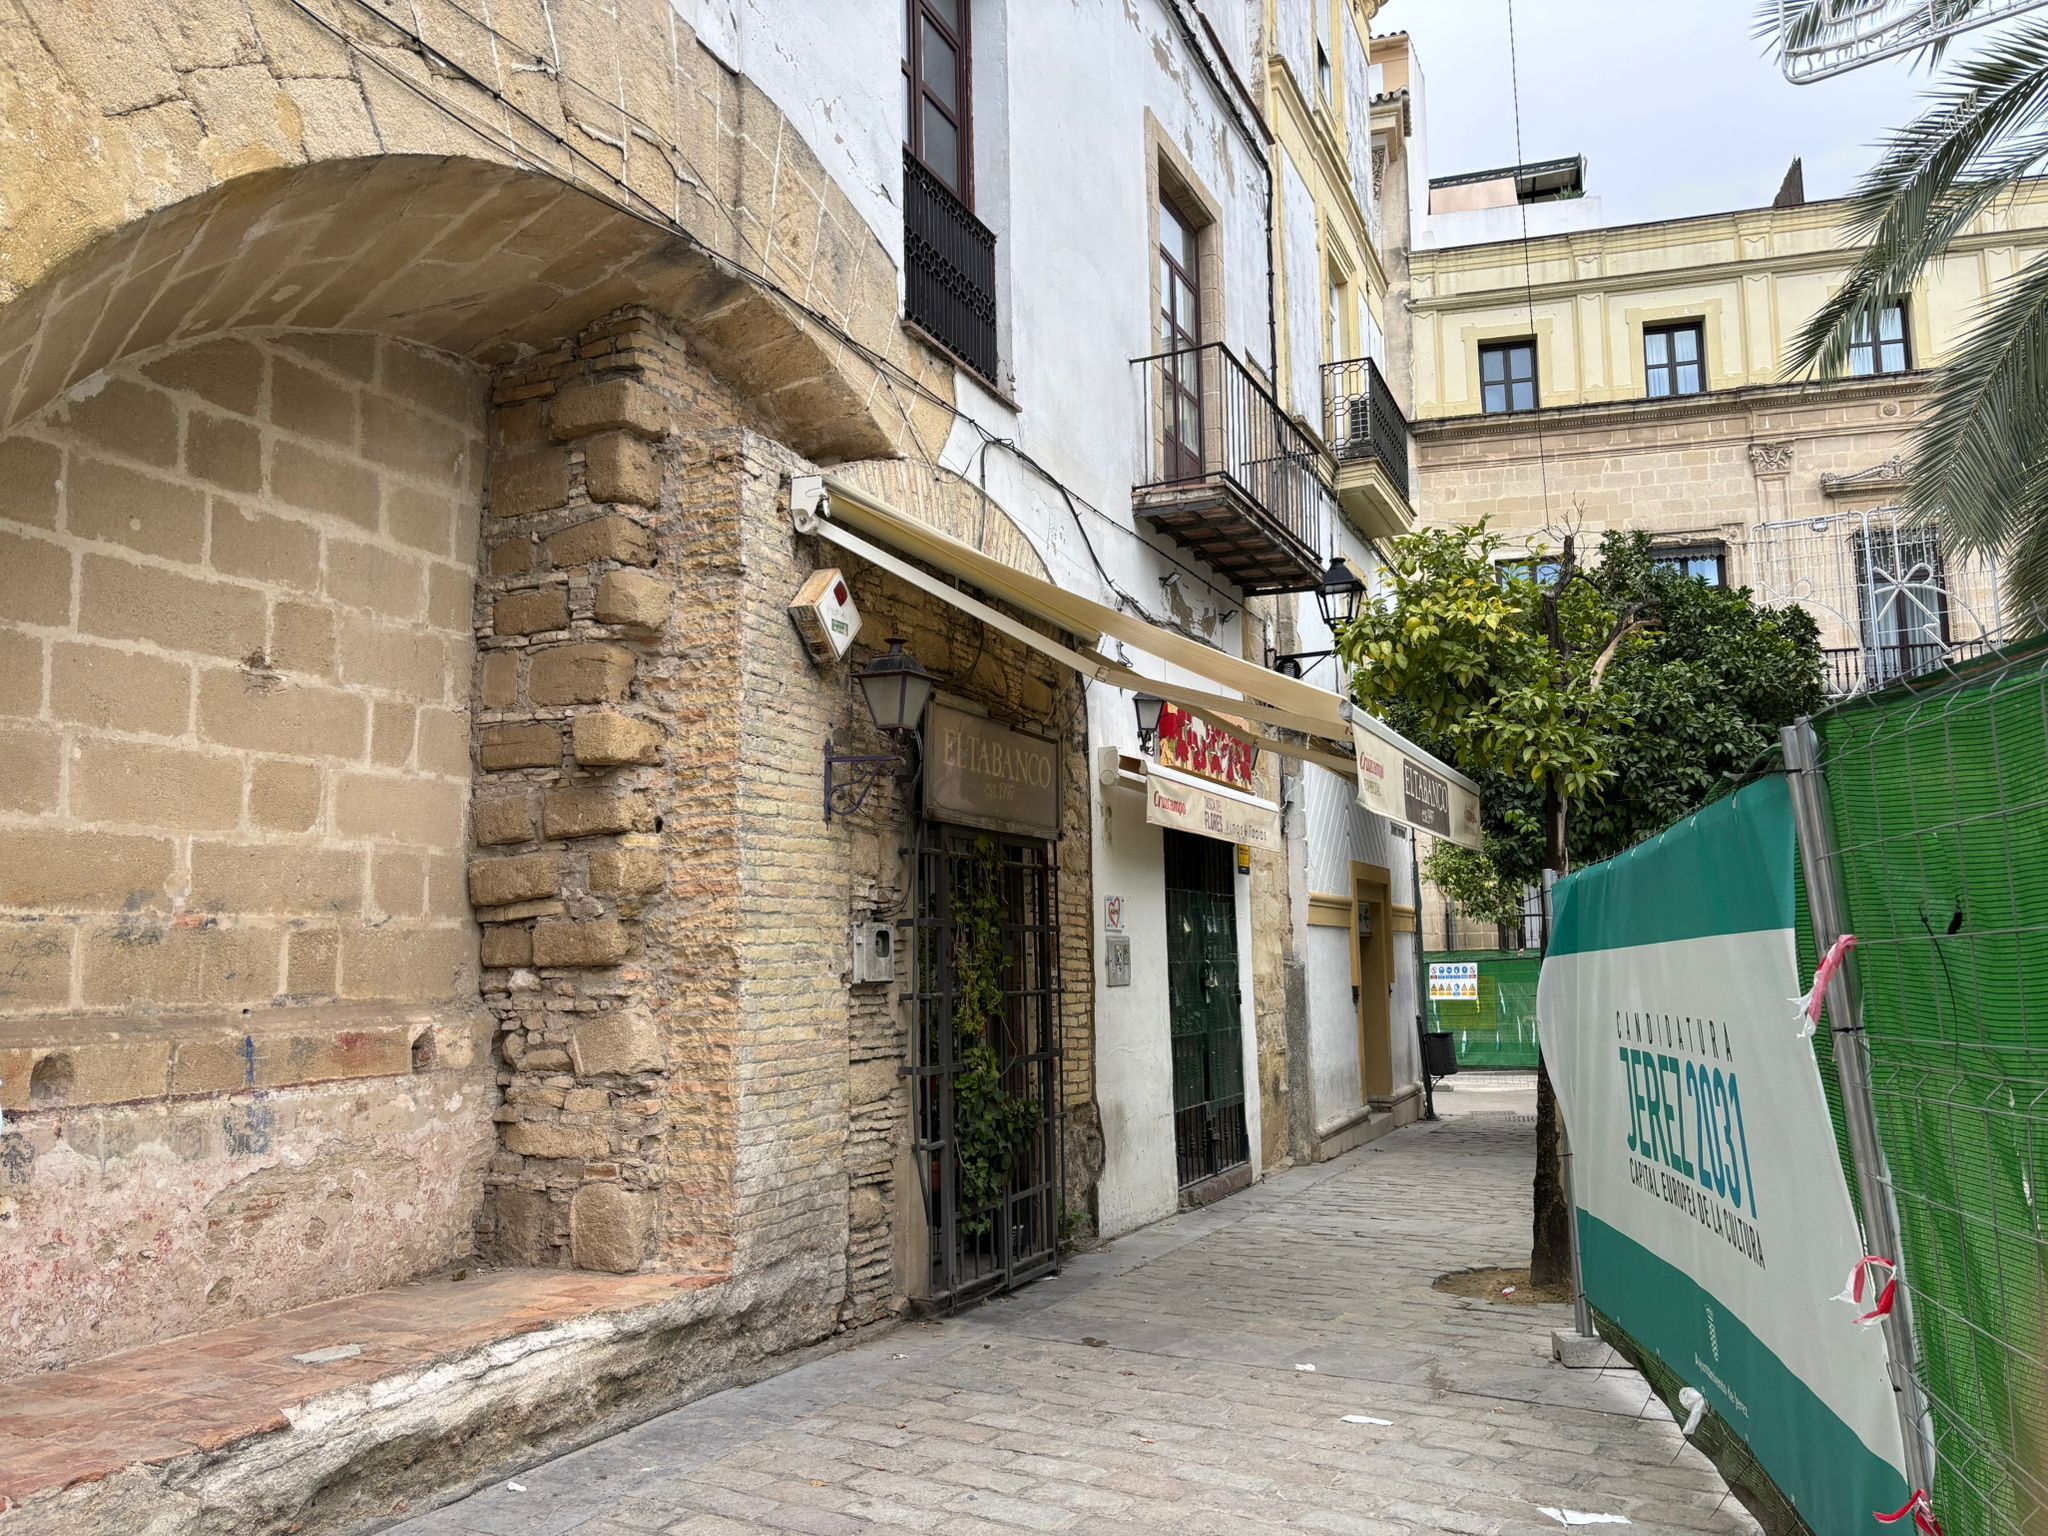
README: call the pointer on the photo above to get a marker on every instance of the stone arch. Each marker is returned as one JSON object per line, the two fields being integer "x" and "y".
{"x": 484, "y": 261}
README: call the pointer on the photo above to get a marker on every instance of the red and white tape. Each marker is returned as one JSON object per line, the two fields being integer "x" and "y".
{"x": 1863, "y": 1284}
{"x": 1920, "y": 1507}
{"x": 1811, "y": 1004}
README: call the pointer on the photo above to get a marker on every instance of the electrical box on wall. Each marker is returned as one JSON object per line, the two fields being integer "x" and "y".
{"x": 825, "y": 615}
{"x": 874, "y": 952}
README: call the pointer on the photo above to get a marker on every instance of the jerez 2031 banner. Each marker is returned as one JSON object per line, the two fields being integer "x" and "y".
{"x": 1714, "y": 1216}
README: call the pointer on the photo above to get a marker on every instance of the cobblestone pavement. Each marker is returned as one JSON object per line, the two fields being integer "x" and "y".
{"x": 1157, "y": 1385}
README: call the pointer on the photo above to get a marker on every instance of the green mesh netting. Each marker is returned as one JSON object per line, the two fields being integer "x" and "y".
{"x": 1940, "y": 816}
{"x": 1499, "y": 1030}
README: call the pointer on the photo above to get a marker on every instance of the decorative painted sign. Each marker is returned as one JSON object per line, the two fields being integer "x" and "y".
{"x": 1191, "y": 744}
{"x": 1113, "y": 914}
{"x": 1714, "y": 1216}
{"x": 1399, "y": 782}
{"x": 981, "y": 774}
{"x": 1454, "y": 981}
{"x": 1175, "y": 800}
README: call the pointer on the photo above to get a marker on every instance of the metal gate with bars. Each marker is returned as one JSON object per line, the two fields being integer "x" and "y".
{"x": 1203, "y": 1000}
{"x": 985, "y": 1042}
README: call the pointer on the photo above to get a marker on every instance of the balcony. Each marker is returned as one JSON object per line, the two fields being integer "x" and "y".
{"x": 1369, "y": 436}
{"x": 1861, "y": 668}
{"x": 1225, "y": 472}
{"x": 949, "y": 260}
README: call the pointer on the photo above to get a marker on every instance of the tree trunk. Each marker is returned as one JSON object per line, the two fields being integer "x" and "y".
{"x": 1550, "y": 1255}
{"x": 1550, "y": 1250}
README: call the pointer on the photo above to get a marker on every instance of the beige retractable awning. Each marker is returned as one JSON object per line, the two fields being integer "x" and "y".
{"x": 843, "y": 514}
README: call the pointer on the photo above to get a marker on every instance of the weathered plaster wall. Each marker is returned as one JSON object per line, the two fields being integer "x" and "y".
{"x": 170, "y": 1175}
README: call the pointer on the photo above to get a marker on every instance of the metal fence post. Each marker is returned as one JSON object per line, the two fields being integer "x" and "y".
{"x": 1825, "y": 901}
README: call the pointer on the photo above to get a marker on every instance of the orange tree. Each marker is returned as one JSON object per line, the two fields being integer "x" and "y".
{"x": 1593, "y": 702}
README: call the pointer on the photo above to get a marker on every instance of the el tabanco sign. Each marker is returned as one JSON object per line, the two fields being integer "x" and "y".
{"x": 1399, "y": 781}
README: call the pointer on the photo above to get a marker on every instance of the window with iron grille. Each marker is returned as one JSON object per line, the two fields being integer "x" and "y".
{"x": 949, "y": 255}
{"x": 1880, "y": 348}
{"x": 1507, "y": 377}
{"x": 1674, "y": 359}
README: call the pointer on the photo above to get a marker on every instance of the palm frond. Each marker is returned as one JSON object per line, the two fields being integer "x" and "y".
{"x": 1980, "y": 137}
{"x": 1980, "y": 462}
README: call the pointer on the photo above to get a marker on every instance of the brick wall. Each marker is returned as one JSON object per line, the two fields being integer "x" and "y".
{"x": 690, "y": 1081}
{"x": 234, "y": 602}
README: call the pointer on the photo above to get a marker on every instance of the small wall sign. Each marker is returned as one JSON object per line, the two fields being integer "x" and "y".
{"x": 1454, "y": 981}
{"x": 1113, "y": 914}
{"x": 1116, "y": 960}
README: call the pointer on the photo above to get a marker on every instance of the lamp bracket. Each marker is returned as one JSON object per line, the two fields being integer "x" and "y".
{"x": 847, "y": 792}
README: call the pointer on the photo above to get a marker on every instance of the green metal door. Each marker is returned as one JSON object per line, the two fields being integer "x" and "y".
{"x": 1203, "y": 999}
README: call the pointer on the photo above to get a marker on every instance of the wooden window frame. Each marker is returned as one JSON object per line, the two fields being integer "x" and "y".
{"x": 1184, "y": 461}
{"x": 1671, "y": 364}
{"x": 917, "y": 92}
{"x": 1506, "y": 348}
{"x": 1873, "y": 349}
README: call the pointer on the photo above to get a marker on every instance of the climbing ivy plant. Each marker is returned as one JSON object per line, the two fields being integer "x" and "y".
{"x": 991, "y": 1125}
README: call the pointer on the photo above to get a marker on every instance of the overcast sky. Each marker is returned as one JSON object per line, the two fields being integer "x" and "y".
{"x": 1674, "y": 104}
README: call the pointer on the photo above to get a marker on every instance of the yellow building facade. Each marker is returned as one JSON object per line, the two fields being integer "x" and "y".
{"x": 1635, "y": 377}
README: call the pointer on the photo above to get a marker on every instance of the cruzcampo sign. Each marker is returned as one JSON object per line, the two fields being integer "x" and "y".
{"x": 981, "y": 774}
{"x": 1714, "y": 1217}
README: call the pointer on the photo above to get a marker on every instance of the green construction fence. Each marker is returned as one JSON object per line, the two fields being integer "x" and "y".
{"x": 1497, "y": 1031}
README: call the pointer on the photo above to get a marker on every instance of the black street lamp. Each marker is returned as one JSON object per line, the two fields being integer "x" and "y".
{"x": 895, "y": 688}
{"x": 1339, "y": 596}
{"x": 1148, "y": 706}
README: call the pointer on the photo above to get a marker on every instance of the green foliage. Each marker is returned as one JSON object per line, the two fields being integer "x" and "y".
{"x": 1621, "y": 694}
{"x": 1474, "y": 882}
{"x": 991, "y": 1125}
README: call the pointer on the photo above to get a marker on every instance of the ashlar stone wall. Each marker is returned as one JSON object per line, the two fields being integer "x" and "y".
{"x": 235, "y": 644}
{"x": 234, "y": 602}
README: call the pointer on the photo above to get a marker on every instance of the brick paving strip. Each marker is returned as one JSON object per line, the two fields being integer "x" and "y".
{"x": 1153, "y": 1386}
{"x": 151, "y": 1406}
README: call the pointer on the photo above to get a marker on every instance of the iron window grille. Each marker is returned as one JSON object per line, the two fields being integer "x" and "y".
{"x": 949, "y": 259}
{"x": 1362, "y": 420}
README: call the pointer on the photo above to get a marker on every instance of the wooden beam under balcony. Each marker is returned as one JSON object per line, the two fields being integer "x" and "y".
{"x": 1225, "y": 472}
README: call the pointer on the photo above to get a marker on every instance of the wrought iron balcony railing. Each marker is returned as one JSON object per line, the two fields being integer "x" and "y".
{"x": 1227, "y": 472}
{"x": 949, "y": 259}
{"x": 1362, "y": 421}
{"x": 1859, "y": 668}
